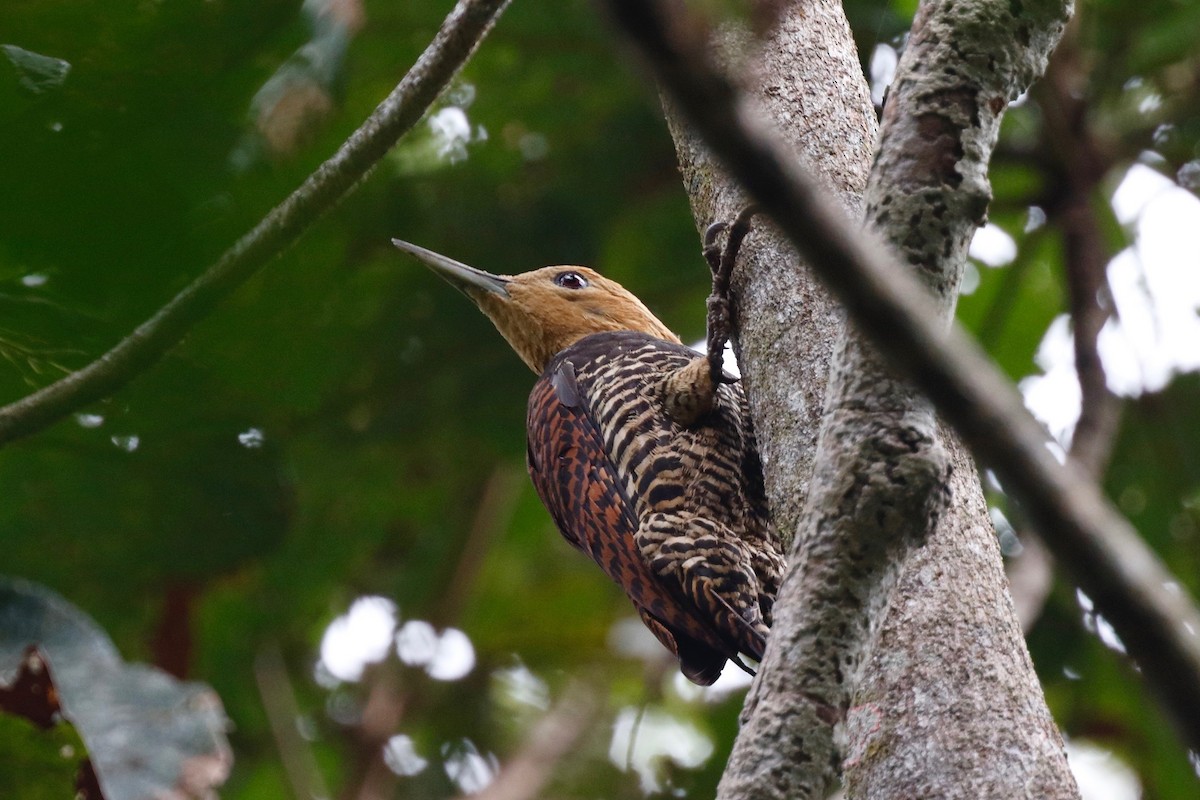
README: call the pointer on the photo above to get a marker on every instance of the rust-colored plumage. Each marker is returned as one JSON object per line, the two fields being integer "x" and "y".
{"x": 644, "y": 462}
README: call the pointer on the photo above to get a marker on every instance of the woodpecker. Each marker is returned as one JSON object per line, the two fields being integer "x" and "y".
{"x": 644, "y": 455}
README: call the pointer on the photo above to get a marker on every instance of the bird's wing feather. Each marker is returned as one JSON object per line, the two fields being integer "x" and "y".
{"x": 578, "y": 484}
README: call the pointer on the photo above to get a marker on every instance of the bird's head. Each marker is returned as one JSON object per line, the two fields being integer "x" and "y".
{"x": 544, "y": 311}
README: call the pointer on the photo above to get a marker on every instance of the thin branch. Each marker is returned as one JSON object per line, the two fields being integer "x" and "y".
{"x": 460, "y": 34}
{"x": 279, "y": 702}
{"x": 1071, "y": 154}
{"x": 1100, "y": 409}
{"x": 1104, "y": 554}
{"x": 1083, "y": 164}
{"x": 552, "y": 739}
{"x": 388, "y": 699}
{"x": 1030, "y": 578}
{"x": 386, "y": 703}
{"x": 493, "y": 514}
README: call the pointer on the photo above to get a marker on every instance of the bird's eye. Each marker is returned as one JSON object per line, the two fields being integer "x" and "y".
{"x": 570, "y": 280}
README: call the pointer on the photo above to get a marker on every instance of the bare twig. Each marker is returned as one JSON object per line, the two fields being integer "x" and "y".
{"x": 492, "y": 516}
{"x": 1030, "y": 578}
{"x": 387, "y": 698}
{"x": 279, "y": 701}
{"x": 1081, "y": 164}
{"x": 462, "y": 31}
{"x": 1084, "y": 164}
{"x": 1105, "y": 555}
{"x": 386, "y": 703}
{"x": 552, "y": 738}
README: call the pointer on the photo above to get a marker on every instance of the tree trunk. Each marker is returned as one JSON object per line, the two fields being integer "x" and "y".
{"x": 896, "y": 653}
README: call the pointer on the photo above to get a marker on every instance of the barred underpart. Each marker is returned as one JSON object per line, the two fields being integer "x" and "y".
{"x": 671, "y": 505}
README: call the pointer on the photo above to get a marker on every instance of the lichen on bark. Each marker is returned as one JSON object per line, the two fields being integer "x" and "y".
{"x": 875, "y": 503}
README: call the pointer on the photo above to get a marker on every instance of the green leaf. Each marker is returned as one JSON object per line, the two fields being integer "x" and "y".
{"x": 35, "y": 72}
{"x": 37, "y": 763}
{"x": 40, "y": 754}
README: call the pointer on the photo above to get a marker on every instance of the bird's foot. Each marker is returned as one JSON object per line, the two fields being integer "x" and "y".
{"x": 720, "y": 308}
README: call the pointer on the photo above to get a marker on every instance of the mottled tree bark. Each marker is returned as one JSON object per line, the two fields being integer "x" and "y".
{"x": 807, "y": 78}
{"x": 949, "y": 656}
{"x": 894, "y": 629}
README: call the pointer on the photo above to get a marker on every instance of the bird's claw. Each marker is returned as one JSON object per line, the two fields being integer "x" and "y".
{"x": 720, "y": 309}
{"x": 713, "y": 231}
{"x": 712, "y": 250}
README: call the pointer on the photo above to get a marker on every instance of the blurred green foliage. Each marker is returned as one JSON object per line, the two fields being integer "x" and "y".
{"x": 334, "y": 429}
{"x": 42, "y": 764}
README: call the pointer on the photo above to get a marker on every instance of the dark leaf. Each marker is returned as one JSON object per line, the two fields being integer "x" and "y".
{"x": 148, "y": 734}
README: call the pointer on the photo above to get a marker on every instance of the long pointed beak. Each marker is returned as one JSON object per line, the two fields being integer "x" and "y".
{"x": 459, "y": 274}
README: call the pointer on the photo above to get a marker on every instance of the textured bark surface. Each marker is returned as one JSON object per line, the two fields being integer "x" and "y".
{"x": 949, "y": 705}
{"x": 964, "y": 713}
{"x": 806, "y": 78}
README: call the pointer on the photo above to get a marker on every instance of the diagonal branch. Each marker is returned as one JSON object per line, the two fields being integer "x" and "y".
{"x": 1082, "y": 164}
{"x": 462, "y": 31}
{"x": 552, "y": 738}
{"x": 1078, "y": 163}
{"x": 278, "y": 697}
{"x": 1103, "y": 552}
{"x": 387, "y": 700}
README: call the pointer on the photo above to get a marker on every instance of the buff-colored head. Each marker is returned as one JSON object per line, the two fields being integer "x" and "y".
{"x": 544, "y": 311}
